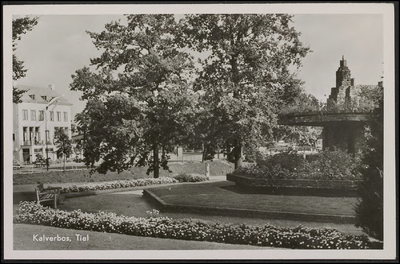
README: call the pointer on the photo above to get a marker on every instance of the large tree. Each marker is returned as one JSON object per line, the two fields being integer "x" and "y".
{"x": 20, "y": 26}
{"x": 139, "y": 97}
{"x": 245, "y": 76}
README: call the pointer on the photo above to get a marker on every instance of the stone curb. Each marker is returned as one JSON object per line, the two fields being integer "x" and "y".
{"x": 340, "y": 219}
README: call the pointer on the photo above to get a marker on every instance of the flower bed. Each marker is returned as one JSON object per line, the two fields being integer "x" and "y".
{"x": 188, "y": 229}
{"x": 119, "y": 184}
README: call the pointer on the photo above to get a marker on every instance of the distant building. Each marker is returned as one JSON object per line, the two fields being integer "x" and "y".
{"x": 35, "y": 120}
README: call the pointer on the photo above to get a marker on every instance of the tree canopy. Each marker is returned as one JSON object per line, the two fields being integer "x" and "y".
{"x": 20, "y": 26}
{"x": 245, "y": 76}
{"x": 139, "y": 96}
{"x": 145, "y": 94}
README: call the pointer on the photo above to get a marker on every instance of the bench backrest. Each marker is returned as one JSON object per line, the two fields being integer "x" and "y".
{"x": 47, "y": 194}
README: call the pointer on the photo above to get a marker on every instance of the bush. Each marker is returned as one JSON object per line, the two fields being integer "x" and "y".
{"x": 327, "y": 165}
{"x": 191, "y": 229}
{"x": 184, "y": 177}
{"x": 369, "y": 211}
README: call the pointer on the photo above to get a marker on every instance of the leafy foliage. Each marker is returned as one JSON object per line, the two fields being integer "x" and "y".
{"x": 301, "y": 135}
{"x": 184, "y": 177}
{"x": 326, "y": 165}
{"x": 20, "y": 26}
{"x": 244, "y": 77}
{"x": 63, "y": 144}
{"x": 365, "y": 99}
{"x": 303, "y": 103}
{"x": 369, "y": 211}
{"x": 191, "y": 229}
{"x": 139, "y": 101}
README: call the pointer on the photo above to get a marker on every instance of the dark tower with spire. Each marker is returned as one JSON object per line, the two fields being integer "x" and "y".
{"x": 343, "y": 74}
{"x": 344, "y": 84}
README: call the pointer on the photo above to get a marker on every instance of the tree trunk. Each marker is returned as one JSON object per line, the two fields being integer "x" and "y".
{"x": 156, "y": 162}
{"x": 238, "y": 156}
{"x": 204, "y": 153}
{"x": 64, "y": 161}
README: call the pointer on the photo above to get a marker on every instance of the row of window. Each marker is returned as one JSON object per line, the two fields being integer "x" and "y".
{"x": 32, "y": 134}
{"x": 41, "y": 115}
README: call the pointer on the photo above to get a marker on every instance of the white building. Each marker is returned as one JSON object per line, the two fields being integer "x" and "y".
{"x": 35, "y": 120}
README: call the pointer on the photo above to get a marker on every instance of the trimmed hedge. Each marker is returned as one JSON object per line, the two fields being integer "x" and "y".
{"x": 119, "y": 184}
{"x": 189, "y": 229}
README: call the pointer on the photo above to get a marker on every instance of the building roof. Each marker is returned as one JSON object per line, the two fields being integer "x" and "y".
{"x": 41, "y": 95}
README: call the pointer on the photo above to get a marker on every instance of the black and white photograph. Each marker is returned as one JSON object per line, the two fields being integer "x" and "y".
{"x": 199, "y": 131}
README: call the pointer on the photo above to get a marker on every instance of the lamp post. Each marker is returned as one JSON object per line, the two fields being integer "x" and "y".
{"x": 47, "y": 134}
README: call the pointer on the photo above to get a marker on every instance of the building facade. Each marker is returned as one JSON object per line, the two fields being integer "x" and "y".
{"x": 35, "y": 120}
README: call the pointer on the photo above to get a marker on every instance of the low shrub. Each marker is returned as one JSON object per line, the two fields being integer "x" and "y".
{"x": 191, "y": 229}
{"x": 119, "y": 184}
{"x": 184, "y": 177}
{"x": 327, "y": 165}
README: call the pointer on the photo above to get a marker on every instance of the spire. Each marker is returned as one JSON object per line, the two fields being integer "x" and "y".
{"x": 343, "y": 75}
{"x": 343, "y": 62}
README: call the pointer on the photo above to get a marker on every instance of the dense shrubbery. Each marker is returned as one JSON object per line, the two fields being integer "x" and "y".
{"x": 327, "y": 165}
{"x": 189, "y": 229}
{"x": 119, "y": 184}
{"x": 369, "y": 211}
{"x": 184, "y": 177}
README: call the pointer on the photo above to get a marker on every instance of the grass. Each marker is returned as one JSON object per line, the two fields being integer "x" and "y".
{"x": 217, "y": 167}
{"x": 132, "y": 203}
{"x": 217, "y": 194}
{"x": 23, "y": 240}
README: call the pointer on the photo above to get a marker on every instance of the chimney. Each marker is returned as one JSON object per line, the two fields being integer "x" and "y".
{"x": 352, "y": 81}
{"x": 51, "y": 86}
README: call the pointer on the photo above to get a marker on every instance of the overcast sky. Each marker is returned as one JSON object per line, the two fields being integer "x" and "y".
{"x": 58, "y": 46}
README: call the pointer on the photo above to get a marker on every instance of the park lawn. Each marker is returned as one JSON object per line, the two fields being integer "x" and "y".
{"x": 219, "y": 195}
{"x": 132, "y": 203}
{"x": 217, "y": 167}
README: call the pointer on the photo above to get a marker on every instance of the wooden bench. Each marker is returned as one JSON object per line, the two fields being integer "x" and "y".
{"x": 48, "y": 194}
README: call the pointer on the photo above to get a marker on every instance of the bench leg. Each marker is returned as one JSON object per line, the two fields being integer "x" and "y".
{"x": 55, "y": 201}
